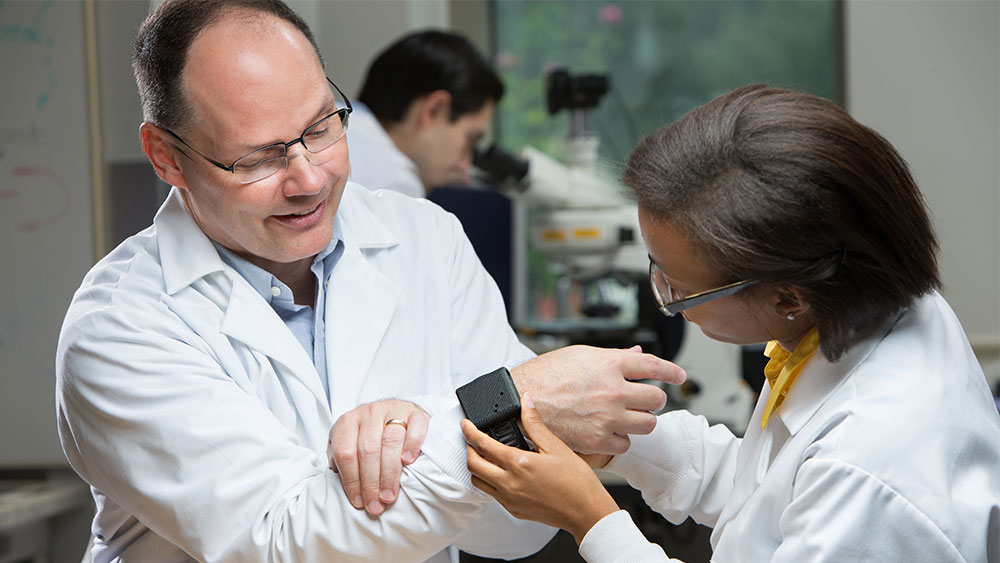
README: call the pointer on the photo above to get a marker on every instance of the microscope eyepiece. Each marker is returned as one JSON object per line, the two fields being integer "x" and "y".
{"x": 581, "y": 91}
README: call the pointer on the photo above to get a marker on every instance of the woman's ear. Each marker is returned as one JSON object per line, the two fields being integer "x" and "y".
{"x": 791, "y": 303}
{"x": 162, "y": 154}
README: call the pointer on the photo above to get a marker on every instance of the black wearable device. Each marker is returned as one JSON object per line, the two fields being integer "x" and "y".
{"x": 492, "y": 404}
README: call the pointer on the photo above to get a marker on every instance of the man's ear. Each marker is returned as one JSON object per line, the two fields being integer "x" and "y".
{"x": 434, "y": 107}
{"x": 162, "y": 155}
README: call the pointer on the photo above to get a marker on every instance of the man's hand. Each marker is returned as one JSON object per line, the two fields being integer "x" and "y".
{"x": 586, "y": 395}
{"x": 369, "y": 445}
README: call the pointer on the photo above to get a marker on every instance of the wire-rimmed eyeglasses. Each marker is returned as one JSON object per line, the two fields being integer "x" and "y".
{"x": 266, "y": 161}
{"x": 672, "y": 302}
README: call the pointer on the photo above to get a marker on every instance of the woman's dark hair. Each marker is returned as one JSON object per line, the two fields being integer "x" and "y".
{"x": 787, "y": 188}
{"x": 423, "y": 62}
{"x": 161, "y": 50}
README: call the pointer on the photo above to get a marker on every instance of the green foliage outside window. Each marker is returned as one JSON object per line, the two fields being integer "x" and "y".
{"x": 663, "y": 57}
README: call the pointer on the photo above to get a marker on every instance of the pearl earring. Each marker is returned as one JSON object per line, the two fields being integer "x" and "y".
{"x": 791, "y": 316}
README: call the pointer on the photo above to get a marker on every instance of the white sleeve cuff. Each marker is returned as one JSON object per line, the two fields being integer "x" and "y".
{"x": 657, "y": 462}
{"x": 616, "y": 539}
{"x": 445, "y": 443}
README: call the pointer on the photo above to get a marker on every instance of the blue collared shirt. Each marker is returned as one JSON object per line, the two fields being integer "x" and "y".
{"x": 308, "y": 327}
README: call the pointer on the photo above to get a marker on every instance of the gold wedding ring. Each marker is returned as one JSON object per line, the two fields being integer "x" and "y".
{"x": 398, "y": 421}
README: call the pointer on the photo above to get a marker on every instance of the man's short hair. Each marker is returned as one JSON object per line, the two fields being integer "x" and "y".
{"x": 423, "y": 62}
{"x": 161, "y": 50}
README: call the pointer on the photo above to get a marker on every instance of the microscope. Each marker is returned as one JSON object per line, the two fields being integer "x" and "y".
{"x": 580, "y": 268}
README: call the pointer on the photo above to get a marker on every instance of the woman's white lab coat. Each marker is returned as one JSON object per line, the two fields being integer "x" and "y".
{"x": 890, "y": 454}
{"x": 201, "y": 424}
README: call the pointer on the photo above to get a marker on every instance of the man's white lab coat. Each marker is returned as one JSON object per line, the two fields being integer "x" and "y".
{"x": 201, "y": 424}
{"x": 890, "y": 454}
{"x": 376, "y": 161}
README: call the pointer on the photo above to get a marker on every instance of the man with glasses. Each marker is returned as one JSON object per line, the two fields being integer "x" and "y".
{"x": 203, "y": 363}
{"x": 265, "y": 161}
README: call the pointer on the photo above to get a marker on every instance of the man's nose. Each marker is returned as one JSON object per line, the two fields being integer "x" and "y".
{"x": 303, "y": 177}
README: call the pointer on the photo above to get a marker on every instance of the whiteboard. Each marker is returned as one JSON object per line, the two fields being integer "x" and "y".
{"x": 46, "y": 214}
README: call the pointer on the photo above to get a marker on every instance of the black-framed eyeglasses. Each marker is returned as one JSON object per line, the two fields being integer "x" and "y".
{"x": 266, "y": 161}
{"x": 672, "y": 302}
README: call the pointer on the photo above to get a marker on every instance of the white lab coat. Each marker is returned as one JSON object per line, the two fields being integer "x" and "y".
{"x": 891, "y": 454}
{"x": 376, "y": 162}
{"x": 201, "y": 424}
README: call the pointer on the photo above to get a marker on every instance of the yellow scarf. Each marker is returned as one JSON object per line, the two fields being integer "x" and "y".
{"x": 782, "y": 369}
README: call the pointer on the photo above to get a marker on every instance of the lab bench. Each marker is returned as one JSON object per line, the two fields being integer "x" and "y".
{"x": 44, "y": 517}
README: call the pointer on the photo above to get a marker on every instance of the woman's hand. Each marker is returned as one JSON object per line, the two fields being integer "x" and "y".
{"x": 553, "y": 485}
{"x": 369, "y": 445}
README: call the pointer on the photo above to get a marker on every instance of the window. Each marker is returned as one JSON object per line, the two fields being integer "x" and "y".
{"x": 662, "y": 58}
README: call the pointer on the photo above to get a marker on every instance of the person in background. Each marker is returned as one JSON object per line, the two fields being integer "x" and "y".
{"x": 771, "y": 215}
{"x": 426, "y": 101}
{"x": 203, "y": 363}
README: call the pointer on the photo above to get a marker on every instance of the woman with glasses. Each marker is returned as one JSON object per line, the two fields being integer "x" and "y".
{"x": 773, "y": 216}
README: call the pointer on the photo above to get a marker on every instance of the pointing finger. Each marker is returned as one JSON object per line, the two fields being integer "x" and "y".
{"x": 647, "y": 366}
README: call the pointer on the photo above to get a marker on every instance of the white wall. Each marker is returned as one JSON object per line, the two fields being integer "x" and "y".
{"x": 120, "y": 110}
{"x": 925, "y": 75}
{"x": 351, "y": 32}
